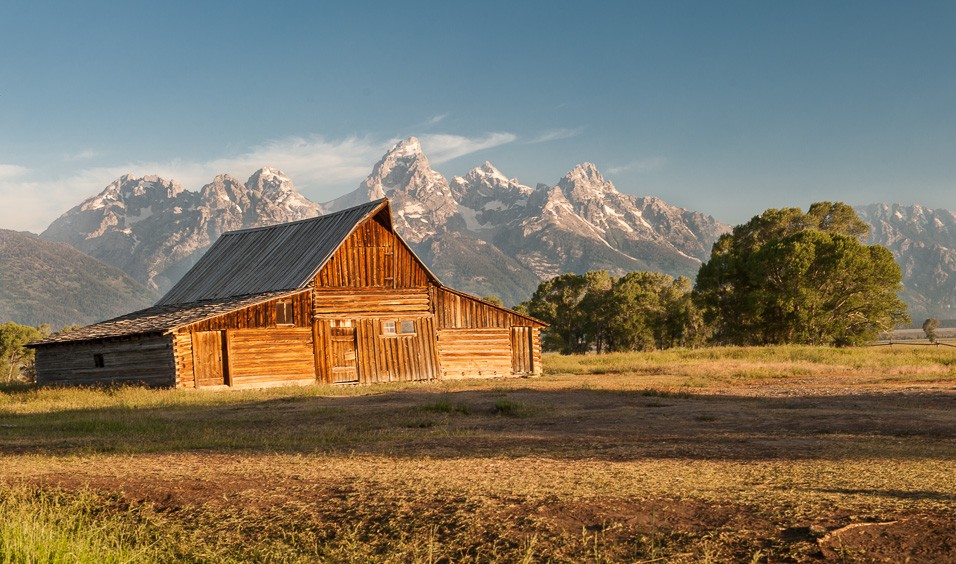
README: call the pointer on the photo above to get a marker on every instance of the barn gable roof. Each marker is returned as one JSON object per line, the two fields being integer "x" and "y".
{"x": 268, "y": 259}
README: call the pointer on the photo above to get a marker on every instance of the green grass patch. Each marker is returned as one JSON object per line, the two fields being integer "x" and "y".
{"x": 49, "y": 526}
{"x": 444, "y": 405}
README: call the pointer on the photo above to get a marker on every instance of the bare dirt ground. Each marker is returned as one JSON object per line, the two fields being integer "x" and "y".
{"x": 795, "y": 469}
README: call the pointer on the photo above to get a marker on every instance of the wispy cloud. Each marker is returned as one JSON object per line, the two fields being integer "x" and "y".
{"x": 84, "y": 155}
{"x": 554, "y": 135}
{"x": 441, "y": 148}
{"x": 437, "y": 119}
{"x": 12, "y": 171}
{"x": 321, "y": 168}
{"x": 647, "y": 164}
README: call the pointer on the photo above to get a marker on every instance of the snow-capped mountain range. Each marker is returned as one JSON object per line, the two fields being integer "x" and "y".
{"x": 482, "y": 232}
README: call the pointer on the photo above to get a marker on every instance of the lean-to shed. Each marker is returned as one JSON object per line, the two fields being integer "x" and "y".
{"x": 339, "y": 298}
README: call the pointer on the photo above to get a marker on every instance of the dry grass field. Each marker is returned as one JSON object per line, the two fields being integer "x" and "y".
{"x": 714, "y": 455}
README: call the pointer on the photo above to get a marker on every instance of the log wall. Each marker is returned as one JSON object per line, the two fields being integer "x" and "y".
{"x": 475, "y": 353}
{"x": 250, "y": 357}
{"x": 183, "y": 350}
{"x": 142, "y": 359}
{"x": 259, "y": 356}
{"x": 477, "y": 339}
{"x": 369, "y": 302}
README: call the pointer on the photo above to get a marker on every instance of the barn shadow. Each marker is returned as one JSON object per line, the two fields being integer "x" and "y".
{"x": 562, "y": 424}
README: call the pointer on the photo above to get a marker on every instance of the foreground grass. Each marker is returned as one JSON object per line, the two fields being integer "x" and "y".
{"x": 742, "y": 454}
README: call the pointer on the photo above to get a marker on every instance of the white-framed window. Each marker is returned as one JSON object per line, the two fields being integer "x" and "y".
{"x": 389, "y": 328}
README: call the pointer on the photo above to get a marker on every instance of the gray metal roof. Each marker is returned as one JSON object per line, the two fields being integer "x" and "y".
{"x": 268, "y": 259}
{"x": 158, "y": 319}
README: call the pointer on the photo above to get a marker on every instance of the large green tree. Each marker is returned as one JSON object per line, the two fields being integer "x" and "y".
{"x": 792, "y": 277}
{"x": 595, "y": 311}
{"x": 558, "y": 302}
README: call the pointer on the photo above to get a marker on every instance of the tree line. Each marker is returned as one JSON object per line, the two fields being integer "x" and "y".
{"x": 786, "y": 276}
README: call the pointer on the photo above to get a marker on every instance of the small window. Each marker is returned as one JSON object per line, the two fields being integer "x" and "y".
{"x": 403, "y": 328}
{"x": 98, "y": 360}
{"x": 284, "y": 312}
{"x": 341, "y": 323}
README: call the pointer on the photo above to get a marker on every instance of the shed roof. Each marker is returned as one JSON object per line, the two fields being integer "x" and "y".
{"x": 160, "y": 318}
{"x": 267, "y": 259}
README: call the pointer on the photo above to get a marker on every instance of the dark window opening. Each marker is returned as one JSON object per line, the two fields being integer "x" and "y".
{"x": 98, "y": 360}
{"x": 408, "y": 327}
{"x": 284, "y": 312}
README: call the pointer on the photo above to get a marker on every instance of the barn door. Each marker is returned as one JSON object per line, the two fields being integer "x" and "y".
{"x": 521, "y": 357}
{"x": 342, "y": 344}
{"x": 209, "y": 362}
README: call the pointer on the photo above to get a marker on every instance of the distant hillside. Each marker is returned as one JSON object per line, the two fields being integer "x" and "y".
{"x": 923, "y": 240}
{"x": 46, "y": 282}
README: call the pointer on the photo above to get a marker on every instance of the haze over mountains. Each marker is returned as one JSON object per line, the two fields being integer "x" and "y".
{"x": 482, "y": 232}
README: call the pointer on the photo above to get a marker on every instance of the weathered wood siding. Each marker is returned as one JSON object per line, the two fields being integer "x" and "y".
{"x": 210, "y": 358}
{"x": 258, "y": 316}
{"x": 372, "y": 257}
{"x": 477, "y": 339}
{"x": 261, "y": 356}
{"x": 369, "y": 302}
{"x": 183, "y": 351}
{"x": 380, "y": 357}
{"x": 475, "y": 353}
{"x": 141, "y": 359}
{"x": 457, "y": 310}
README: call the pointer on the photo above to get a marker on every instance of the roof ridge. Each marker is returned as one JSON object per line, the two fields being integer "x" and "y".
{"x": 316, "y": 218}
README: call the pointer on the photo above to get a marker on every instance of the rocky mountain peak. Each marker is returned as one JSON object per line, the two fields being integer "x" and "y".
{"x": 224, "y": 191}
{"x": 270, "y": 181}
{"x": 585, "y": 182}
{"x": 422, "y": 200}
{"x": 407, "y": 148}
{"x": 134, "y": 190}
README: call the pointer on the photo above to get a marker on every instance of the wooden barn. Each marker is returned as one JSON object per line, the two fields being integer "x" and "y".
{"x": 340, "y": 298}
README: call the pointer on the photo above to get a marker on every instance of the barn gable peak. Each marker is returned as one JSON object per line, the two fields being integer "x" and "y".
{"x": 273, "y": 258}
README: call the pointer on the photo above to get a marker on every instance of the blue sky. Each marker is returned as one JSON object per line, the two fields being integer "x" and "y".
{"x": 724, "y": 107}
